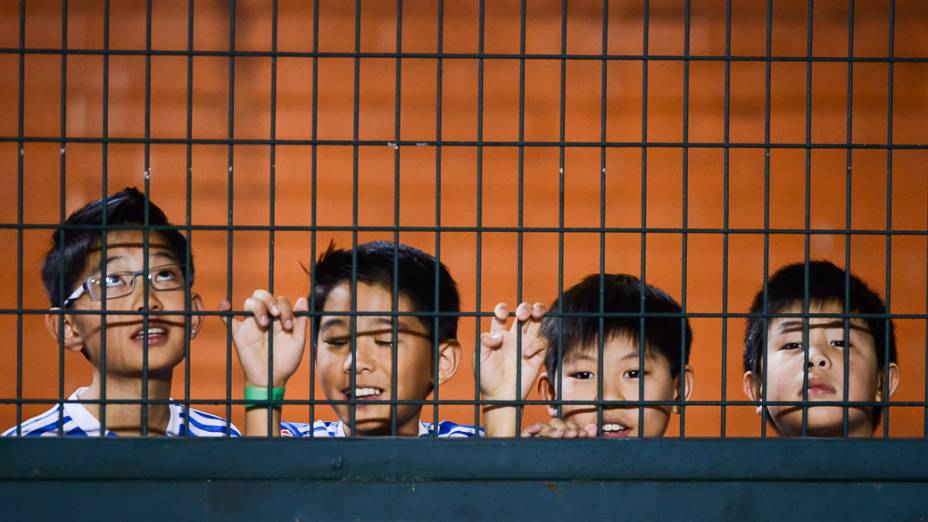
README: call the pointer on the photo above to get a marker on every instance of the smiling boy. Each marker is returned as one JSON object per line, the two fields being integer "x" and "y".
{"x": 792, "y": 377}
{"x": 571, "y": 373}
{"x": 360, "y": 378}
{"x": 77, "y": 322}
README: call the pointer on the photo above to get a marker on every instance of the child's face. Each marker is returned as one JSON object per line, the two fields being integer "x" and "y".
{"x": 827, "y": 346}
{"x": 374, "y": 365}
{"x": 622, "y": 379}
{"x": 125, "y": 336}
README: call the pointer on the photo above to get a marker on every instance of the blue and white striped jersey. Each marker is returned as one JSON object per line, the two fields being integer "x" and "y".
{"x": 76, "y": 421}
{"x": 321, "y": 428}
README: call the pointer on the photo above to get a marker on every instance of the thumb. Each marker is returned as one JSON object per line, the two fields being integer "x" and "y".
{"x": 299, "y": 324}
{"x": 226, "y": 306}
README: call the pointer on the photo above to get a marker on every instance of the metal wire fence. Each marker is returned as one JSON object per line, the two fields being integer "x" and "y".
{"x": 696, "y": 147}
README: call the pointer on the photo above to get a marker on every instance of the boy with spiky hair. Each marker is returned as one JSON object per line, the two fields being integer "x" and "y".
{"x": 803, "y": 358}
{"x": 354, "y": 345}
{"x": 78, "y": 280}
{"x": 570, "y": 345}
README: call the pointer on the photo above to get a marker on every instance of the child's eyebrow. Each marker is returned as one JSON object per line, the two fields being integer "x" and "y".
{"x": 328, "y": 323}
{"x": 793, "y": 326}
{"x": 400, "y": 325}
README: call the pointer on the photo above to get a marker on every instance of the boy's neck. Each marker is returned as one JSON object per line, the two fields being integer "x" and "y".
{"x": 125, "y": 419}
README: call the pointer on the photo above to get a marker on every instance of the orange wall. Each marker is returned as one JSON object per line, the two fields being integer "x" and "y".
{"x": 664, "y": 203}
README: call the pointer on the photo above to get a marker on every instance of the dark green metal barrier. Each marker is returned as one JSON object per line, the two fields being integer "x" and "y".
{"x": 256, "y": 480}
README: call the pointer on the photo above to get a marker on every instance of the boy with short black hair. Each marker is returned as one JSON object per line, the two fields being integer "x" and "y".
{"x": 78, "y": 280}
{"x": 362, "y": 316}
{"x": 872, "y": 355}
{"x": 570, "y": 344}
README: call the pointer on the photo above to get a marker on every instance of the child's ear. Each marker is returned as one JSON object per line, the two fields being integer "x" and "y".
{"x": 752, "y": 389}
{"x": 893, "y": 382}
{"x": 449, "y": 358}
{"x": 548, "y": 392}
{"x": 196, "y": 320}
{"x": 64, "y": 331}
{"x": 689, "y": 384}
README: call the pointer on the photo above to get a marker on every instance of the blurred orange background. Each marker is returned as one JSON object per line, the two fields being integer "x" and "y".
{"x": 685, "y": 187}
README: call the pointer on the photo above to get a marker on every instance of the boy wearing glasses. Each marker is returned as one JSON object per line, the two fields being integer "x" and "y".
{"x": 79, "y": 280}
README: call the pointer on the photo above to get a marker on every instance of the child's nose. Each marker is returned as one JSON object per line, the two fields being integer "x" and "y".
{"x": 613, "y": 392}
{"x": 818, "y": 358}
{"x": 138, "y": 296}
{"x": 365, "y": 360}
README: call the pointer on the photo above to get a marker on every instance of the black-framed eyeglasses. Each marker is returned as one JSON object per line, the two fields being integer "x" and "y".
{"x": 121, "y": 284}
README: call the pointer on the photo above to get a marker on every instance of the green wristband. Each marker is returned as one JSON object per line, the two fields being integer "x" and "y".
{"x": 257, "y": 397}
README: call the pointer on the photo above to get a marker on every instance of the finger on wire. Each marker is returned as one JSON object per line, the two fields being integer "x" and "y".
{"x": 500, "y": 314}
{"x": 523, "y": 312}
{"x": 538, "y": 312}
{"x": 258, "y": 310}
{"x": 286, "y": 313}
{"x": 269, "y": 301}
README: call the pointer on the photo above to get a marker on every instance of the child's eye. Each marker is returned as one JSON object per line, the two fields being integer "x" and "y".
{"x": 112, "y": 280}
{"x": 336, "y": 341}
{"x": 581, "y": 375}
{"x": 166, "y": 275}
{"x": 839, "y": 343}
{"x": 791, "y": 346}
{"x": 386, "y": 343}
{"x": 632, "y": 374}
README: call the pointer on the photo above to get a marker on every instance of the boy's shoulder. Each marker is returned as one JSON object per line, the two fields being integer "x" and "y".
{"x": 323, "y": 428}
{"x": 71, "y": 419}
{"x": 59, "y": 419}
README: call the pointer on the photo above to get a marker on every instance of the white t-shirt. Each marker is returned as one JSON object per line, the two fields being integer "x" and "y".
{"x": 321, "y": 428}
{"x": 76, "y": 421}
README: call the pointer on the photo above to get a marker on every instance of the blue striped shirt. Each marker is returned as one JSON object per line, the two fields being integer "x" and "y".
{"x": 76, "y": 421}
{"x": 321, "y": 428}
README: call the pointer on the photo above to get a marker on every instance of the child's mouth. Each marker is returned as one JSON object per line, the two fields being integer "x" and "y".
{"x": 156, "y": 333}
{"x": 614, "y": 430}
{"x": 363, "y": 393}
{"x": 820, "y": 389}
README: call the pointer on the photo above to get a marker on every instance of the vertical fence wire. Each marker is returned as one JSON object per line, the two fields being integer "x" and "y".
{"x": 188, "y": 219}
{"x": 146, "y": 231}
{"x": 768, "y": 48}
{"x": 354, "y": 215}
{"x": 62, "y": 199}
{"x": 807, "y": 223}
{"x": 437, "y": 281}
{"x": 395, "y": 294}
{"x": 889, "y": 221}
{"x": 684, "y": 220}
{"x": 726, "y": 162}
{"x": 20, "y": 148}
{"x": 478, "y": 259}
{"x": 313, "y": 173}
{"x": 104, "y": 192}
{"x": 272, "y": 210}
{"x": 521, "y": 210}
{"x": 642, "y": 337}
{"x": 847, "y": 216}
{"x": 230, "y": 217}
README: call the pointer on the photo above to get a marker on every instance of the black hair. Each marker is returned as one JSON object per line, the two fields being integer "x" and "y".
{"x": 416, "y": 279}
{"x": 621, "y": 294}
{"x": 826, "y": 282}
{"x": 71, "y": 246}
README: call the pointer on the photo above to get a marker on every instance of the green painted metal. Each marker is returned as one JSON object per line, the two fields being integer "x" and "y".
{"x": 402, "y": 479}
